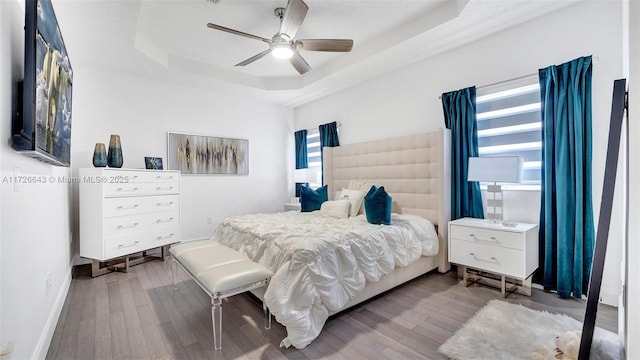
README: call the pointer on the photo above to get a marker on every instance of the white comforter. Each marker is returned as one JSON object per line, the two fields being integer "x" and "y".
{"x": 320, "y": 263}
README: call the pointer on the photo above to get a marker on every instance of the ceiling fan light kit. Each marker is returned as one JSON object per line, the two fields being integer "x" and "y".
{"x": 283, "y": 45}
{"x": 282, "y": 51}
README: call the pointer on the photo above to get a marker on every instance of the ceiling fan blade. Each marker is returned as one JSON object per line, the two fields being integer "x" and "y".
{"x": 254, "y": 58}
{"x": 299, "y": 63}
{"x": 335, "y": 45}
{"x": 294, "y": 14}
{"x": 236, "y": 32}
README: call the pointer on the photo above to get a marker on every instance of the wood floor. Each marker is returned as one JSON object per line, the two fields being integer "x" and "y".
{"x": 137, "y": 315}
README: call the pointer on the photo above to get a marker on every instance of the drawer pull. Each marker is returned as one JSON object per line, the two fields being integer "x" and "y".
{"x": 161, "y": 237}
{"x": 160, "y": 177}
{"x": 492, "y": 259}
{"x": 131, "y": 207}
{"x": 164, "y": 220}
{"x": 168, "y": 203}
{"x": 164, "y": 188}
{"x": 120, "y": 227}
{"x": 491, "y": 240}
{"x": 120, "y": 246}
{"x": 128, "y": 189}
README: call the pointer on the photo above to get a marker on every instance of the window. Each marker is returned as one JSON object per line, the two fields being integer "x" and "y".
{"x": 510, "y": 124}
{"x": 314, "y": 156}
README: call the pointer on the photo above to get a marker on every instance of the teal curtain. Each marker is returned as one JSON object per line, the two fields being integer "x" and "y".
{"x": 302, "y": 161}
{"x": 328, "y": 137}
{"x": 566, "y": 215}
{"x": 301, "y": 149}
{"x": 460, "y": 117}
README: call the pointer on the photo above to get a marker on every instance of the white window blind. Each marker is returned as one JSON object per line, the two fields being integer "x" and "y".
{"x": 314, "y": 155}
{"x": 509, "y": 123}
{"x": 313, "y": 148}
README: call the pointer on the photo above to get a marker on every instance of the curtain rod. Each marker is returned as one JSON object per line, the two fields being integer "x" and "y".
{"x": 337, "y": 123}
{"x": 501, "y": 82}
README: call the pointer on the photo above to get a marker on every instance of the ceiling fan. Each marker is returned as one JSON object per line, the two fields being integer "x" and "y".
{"x": 284, "y": 45}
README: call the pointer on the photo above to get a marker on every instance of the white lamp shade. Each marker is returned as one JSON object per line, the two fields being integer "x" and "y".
{"x": 495, "y": 169}
{"x": 305, "y": 175}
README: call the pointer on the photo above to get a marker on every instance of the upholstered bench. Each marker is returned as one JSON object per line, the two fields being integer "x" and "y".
{"x": 221, "y": 272}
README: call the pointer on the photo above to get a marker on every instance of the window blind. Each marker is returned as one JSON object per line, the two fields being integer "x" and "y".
{"x": 509, "y": 124}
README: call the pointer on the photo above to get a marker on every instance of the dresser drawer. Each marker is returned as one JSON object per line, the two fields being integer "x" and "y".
{"x": 121, "y": 189}
{"x": 123, "y": 176}
{"x": 121, "y": 245}
{"x": 135, "y": 205}
{"x": 163, "y": 188}
{"x": 163, "y": 177}
{"x": 162, "y": 219}
{"x": 141, "y": 222}
{"x": 124, "y": 206}
{"x": 120, "y": 225}
{"x": 163, "y": 236}
{"x": 164, "y": 203}
{"x": 492, "y": 237}
{"x": 490, "y": 258}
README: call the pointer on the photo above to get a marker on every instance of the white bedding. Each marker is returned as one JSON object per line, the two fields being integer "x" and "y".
{"x": 320, "y": 263}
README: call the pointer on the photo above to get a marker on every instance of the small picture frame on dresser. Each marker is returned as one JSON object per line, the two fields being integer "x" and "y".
{"x": 153, "y": 163}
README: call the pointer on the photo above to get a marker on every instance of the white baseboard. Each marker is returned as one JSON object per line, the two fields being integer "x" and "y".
{"x": 42, "y": 347}
{"x": 606, "y": 297}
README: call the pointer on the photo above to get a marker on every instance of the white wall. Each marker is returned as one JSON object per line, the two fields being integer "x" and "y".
{"x": 632, "y": 275}
{"x": 35, "y": 225}
{"x": 406, "y": 101}
{"x": 142, "y": 111}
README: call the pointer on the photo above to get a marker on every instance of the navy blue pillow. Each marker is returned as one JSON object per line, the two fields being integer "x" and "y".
{"x": 311, "y": 200}
{"x": 377, "y": 205}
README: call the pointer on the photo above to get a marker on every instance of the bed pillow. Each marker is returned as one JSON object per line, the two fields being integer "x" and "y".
{"x": 311, "y": 200}
{"x": 338, "y": 209}
{"x": 378, "y": 206}
{"x": 355, "y": 197}
{"x": 362, "y": 186}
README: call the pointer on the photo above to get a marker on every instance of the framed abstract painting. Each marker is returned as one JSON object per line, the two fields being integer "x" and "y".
{"x": 202, "y": 154}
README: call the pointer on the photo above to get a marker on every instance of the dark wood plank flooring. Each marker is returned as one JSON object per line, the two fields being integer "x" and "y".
{"x": 137, "y": 315}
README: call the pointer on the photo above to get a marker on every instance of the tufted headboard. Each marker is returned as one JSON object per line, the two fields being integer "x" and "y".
{"x": 414, "y": 170}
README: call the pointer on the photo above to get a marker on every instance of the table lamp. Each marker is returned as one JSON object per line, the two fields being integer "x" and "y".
{"x": 499, "y": 169}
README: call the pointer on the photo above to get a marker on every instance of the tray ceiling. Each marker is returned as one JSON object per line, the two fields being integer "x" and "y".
{"x": 169, "y": 39}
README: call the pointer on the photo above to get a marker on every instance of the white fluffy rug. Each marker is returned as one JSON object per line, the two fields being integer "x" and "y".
{"x": 501, "y": 330}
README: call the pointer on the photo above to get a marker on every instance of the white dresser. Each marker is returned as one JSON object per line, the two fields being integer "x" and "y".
{"x": 127, "y": 211}
{"x": 509, "y": 252}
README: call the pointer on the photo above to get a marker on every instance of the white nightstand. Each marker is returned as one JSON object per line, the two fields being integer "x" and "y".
{"x": 292, "y": 207}
{"x": 494, "y": 254}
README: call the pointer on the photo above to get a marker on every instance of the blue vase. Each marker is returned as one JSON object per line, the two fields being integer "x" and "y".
{"x": 114, "y": 156}
{"x": 99, "y": 156}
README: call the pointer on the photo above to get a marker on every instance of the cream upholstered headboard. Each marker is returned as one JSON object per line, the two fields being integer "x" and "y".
{"x": 414, "y": 170}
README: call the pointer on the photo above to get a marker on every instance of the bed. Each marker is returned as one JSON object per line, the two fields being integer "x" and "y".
{"x": 322, "y": 266}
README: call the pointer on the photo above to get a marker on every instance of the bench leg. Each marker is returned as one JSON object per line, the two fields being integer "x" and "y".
{"x": 173, "y": 273}
{"x": 267, "y": 316}
{"x": 216, "y": 319}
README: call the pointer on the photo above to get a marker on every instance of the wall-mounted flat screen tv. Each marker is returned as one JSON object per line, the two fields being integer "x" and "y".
{"x": 43, "y": 128}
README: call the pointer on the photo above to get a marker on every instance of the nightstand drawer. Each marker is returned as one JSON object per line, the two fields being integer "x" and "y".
{"x": 490, "y": 258}
{"x": 492, "y": 237}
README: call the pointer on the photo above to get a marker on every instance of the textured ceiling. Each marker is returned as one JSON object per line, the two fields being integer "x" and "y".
{"x": 169, "y": 39}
